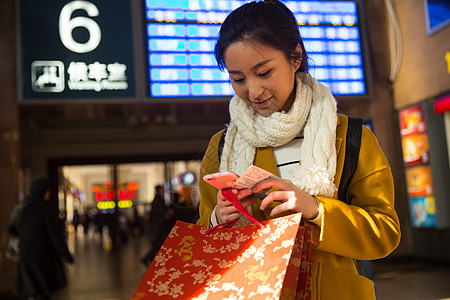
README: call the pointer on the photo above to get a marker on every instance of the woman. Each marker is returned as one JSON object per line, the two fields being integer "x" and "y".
{"x": 284, "y": 121}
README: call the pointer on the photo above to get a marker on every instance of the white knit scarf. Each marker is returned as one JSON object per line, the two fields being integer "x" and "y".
{"x": 313, "y": 113}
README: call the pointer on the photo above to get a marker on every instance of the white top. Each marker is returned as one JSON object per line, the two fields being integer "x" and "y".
{"x": 287, "y": 157}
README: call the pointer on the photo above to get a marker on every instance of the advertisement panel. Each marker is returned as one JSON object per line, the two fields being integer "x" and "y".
{"x": 423, "y": 211}
{"x": 416, "y": 149}
{"x": 416, "y": 157}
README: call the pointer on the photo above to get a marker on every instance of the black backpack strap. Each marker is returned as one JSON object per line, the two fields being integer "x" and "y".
{"x": 221, "y": 143}
{"x": 353, "y": 143}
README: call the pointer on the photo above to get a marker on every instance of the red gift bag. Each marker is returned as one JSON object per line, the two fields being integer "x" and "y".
{"x": 272, "y": 261}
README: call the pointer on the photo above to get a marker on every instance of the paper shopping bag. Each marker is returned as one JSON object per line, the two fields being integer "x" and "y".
{"x": 249, "y": 262}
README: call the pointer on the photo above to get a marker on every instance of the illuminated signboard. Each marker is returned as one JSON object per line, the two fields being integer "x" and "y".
{"x": 76, "y": 49}
{"x": 104, "y": 194}
{"x": 83, "y": 49}
{"x": 181, "y": 36}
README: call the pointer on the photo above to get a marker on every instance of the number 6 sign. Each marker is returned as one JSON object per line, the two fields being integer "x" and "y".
{"x": 67, "y": 24}
{"x": 77, "y": 49}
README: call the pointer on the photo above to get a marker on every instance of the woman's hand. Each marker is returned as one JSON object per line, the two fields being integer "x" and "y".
{"x": 225, "y": 211}
{"x": 293, "y": 198}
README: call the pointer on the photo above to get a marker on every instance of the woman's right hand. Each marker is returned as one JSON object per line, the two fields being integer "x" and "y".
{"x": 225, "y": 211}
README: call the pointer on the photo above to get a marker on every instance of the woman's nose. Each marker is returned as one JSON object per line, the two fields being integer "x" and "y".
{"x": 255, "y": 91}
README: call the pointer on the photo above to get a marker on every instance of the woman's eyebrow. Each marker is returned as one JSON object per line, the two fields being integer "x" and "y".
{"x": 261, "y": 63}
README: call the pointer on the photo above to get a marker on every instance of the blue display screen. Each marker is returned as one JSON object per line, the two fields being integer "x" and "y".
{"x": 437, "y": 15}
{"x": 181, "y": 35}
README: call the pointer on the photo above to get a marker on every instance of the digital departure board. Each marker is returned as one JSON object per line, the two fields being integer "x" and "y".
{"x": 181, "y": 35}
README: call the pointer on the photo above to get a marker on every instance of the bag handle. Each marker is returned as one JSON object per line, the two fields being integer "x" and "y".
{"x": 231, "y": 197}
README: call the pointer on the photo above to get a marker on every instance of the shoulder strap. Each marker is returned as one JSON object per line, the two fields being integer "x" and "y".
{"x": 353, "y": 143}
{"x": 221, "y": 143}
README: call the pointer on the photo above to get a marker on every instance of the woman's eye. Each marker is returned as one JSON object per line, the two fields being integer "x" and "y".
{"x": 264, "y": 74}
{"x": 237, "y": 80}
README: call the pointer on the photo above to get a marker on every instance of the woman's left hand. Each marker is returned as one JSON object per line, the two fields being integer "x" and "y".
{"x": 293, "y": 198}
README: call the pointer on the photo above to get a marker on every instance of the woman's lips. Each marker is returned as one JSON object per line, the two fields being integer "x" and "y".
{"x": 262, "y": 103}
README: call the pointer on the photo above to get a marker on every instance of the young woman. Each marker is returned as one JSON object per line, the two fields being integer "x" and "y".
{"x": 284, "y": 121}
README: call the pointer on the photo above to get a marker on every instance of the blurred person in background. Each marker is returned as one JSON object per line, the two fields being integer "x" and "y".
{"x": 75, "y": 220}
{"x": 42, "y": 247}
{"x": 159, "y": 216}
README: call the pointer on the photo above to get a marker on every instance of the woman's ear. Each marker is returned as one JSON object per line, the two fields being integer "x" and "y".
{"x": 297, "y": 56}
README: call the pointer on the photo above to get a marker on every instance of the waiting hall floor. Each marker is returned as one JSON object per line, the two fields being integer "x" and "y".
{"x": 102, "y": 274}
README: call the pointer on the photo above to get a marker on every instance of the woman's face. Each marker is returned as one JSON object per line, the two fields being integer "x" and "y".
{"x": 261, "y": 76}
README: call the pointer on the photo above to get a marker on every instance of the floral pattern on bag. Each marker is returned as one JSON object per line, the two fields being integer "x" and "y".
{"x": 232, "y": 263}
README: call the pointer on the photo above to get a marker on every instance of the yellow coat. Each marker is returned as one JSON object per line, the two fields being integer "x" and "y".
{"x": 368, "y": 229}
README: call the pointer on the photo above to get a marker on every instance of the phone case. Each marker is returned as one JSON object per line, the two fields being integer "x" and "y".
{"x": 249, "y": 179}
{"x": 222, "y": 180}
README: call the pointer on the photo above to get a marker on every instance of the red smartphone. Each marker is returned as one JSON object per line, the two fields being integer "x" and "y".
{"x": 222, "y": 180}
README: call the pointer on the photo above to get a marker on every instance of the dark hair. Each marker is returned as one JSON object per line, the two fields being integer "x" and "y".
{"x": 267, "y": 22}
{"x": 38, "y": 187}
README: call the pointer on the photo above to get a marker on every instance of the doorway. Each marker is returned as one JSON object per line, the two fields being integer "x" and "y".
{"x": 111, "y": 203}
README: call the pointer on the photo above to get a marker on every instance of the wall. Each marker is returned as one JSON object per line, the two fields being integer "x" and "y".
{"x": 423, "y": 72}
